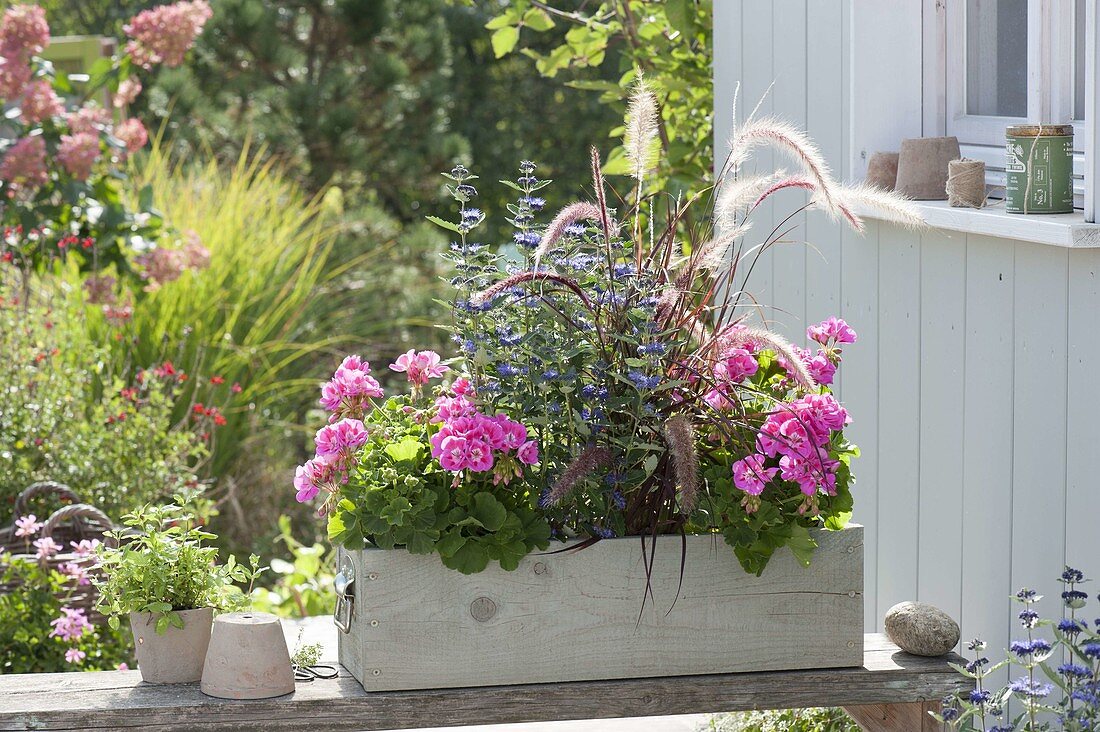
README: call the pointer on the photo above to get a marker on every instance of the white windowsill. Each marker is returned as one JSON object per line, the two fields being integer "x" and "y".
{"x": 1060, "y": 230}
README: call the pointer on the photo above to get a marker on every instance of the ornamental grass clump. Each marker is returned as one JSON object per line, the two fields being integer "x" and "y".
{"x": 624, "y": 342}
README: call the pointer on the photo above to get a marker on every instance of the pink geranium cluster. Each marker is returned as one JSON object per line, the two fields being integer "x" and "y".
{"x": 794, "y": 443}
{"x": 351, "y": 389}
{"x": 164, "y": 34}
{"x": 470, "y": 440}
{"x": 733, "y": 367}
{"x": 831, "y": 331}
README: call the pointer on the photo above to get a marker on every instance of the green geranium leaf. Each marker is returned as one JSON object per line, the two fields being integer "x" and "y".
{"x": 488, "y": 510}
{"x": 471, "y": 558}
{"x": 802, "y": 544}
{"x": 450, "y": 543}
{"x": 406, "y": 450}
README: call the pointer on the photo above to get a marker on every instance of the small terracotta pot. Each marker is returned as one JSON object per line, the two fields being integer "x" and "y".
{"x": 248, "y": 658}
{"x": 177, "y": 655}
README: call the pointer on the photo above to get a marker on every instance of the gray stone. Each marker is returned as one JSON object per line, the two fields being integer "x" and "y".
{"x": 921, "y": 629}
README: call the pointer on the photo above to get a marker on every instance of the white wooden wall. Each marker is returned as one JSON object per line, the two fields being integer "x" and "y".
{"x": 974, "y": 384}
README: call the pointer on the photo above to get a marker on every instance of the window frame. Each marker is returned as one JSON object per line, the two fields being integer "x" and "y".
{"x": 1050, "y": 95}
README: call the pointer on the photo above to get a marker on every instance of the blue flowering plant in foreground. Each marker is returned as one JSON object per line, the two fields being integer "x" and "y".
{"x": 1054, "y": 667}
{"x": 622, "y": 338}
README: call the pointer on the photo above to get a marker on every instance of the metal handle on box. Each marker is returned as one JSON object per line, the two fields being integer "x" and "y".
{"x": 344, "y": 585}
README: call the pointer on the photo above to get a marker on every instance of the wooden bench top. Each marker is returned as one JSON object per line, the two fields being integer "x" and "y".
{"x": 113, "y": 700}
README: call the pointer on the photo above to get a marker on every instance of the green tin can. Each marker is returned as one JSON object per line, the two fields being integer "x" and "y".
{"x": 1039, "y": 167}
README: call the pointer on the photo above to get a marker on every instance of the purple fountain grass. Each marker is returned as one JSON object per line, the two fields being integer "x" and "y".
{"x": 571, "y": 214}
{"x": 520, "y": 278}
{"x": 737, "y": 335}
{"x": 680, "y": 438}
{"x": 640, "y": 130}
{"x": 591, "y": 459}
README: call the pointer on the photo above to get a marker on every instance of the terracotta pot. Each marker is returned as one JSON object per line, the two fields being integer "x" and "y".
{"x": 177, "y": 655}
{"x": 248, "y": 658}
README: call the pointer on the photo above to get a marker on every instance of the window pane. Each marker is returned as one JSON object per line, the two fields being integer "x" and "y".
{"x": 1079, "y": 60}
{"x": 996, "y": 57}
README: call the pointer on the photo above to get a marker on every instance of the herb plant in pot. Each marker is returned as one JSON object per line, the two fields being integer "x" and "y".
{"x": 169, "y": 583}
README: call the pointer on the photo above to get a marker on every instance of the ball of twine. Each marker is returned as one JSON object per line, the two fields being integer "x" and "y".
{"x": 966, "y": 183}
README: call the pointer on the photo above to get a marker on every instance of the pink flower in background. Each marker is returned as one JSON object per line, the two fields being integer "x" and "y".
{"x": 76, "y": 572}
{"x": 195, "y": 255}
{"x": 46, "y": 547}
{"x": 24, "y": 31}
{"x": 15, "y": 74}
{"x": 832, "y": 329}
{"x": 84, "y": 547}
{"x": 71, "y": 625}
{"x": 100, "y": 289}
{"x": 751, "y": 476}
{"x": 718, "y": 398}
{"x": 28, "y": 525}
{"x": 340, "y": 438}
{"x": 528, "y": 453}
{"x": 128, "y": 90}
{"x": 24, "y": 164}
{"x": 419, "y": 367}
{"x": 123, "y": 666}
{"x": 132, "y": 133}
{"x": 78, "y": 153}
{"x": 164, "y": 34}
{"x": 160, "y": 266}
{"x": 89, "y": 118}
{"x": 74, "y": 655}
{"x": 461, "y": 386}
{"x": 40, "y": 103}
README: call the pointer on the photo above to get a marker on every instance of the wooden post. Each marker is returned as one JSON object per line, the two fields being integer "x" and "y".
{"x": 911, "y": 717}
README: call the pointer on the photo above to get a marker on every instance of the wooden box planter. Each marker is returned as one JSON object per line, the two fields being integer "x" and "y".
{"x": 575, "y": 616}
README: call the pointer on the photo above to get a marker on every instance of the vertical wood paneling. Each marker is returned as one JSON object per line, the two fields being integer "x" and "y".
{"x": 943, "y": 323}
{"x": 1039, "y": 420}
{"x": 1082, "y": 422}
{"x": 859, "y": 284}
{"x": 756, "y": 41}
{"x": 727, "y": 72}
{"x": 899, "y": 401}
{"x": 789, "y": 103}
{"x": 987, "y": 441}
{"x": 824, "y": 87}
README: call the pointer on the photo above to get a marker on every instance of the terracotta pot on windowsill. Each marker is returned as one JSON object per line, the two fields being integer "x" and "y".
{"x": 177, "y": 655}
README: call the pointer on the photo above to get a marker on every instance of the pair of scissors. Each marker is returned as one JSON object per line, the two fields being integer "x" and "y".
{"x": 309, "y": 673}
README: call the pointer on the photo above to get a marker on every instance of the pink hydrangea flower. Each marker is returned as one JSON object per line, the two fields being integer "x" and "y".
{"x": 24, "y": 31}
{"x": 74, "y": 655}
{"x": 528, "y": 453}
{"x": 833, "y": 329}
{"x": 128, "y": 90}
{"x": 164, "y": 34}
{"x": 133, "y": 134}
{"x": 78, "y": 154}
{"x": 751, "y": 476}
{"x": 161, "y": 266}
{"x": 89, "y": 118}
{"x": 28, "y": 525}
{"x": 40, "y": 103}
{"x": 341, "y": 438}
{"x": 24, "y": 164}
{"x": 15, "y": 74}
{"x": 46, "y": 547}
{"x": 100, "y": 289}
{"x": 419, "y": 367}
{"x": 71, "y": 625}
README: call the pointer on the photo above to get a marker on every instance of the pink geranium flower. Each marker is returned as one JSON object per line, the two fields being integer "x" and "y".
{"x": 833, "y": 329}
{"x": 341, "y": 438}
{"x": 320, "y": 473}
{"x": 528, "y": 453}
{"x": 751, "y": 476}
{"x": 419, "y": 367}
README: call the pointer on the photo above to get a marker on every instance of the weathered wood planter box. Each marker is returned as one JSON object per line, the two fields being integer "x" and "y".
{"x": 575, "y": 616}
